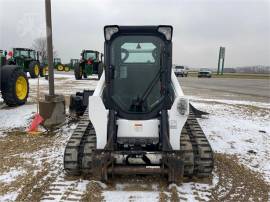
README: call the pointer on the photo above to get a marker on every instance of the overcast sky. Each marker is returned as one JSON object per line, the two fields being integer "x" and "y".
{"x": 200, "y": 26}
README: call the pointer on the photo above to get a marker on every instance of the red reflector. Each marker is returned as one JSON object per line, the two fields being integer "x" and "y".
{"x": 10, "y": 53}
{"x": 89, "y": 62}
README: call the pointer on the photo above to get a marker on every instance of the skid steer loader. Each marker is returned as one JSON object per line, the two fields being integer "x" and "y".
{"x": 137, "y": 121}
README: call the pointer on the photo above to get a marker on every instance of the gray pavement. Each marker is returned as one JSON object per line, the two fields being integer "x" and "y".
{"x": 227, "y": 88}
{"x": 223, "y": 88}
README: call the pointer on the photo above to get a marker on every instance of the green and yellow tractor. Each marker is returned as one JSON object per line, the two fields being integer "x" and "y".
{"x": 14, "y": 84}
{"x": 72, "y": 63}
{"x": 44, "y": 69}
{"x": 28, "y": 59}
{"x": 59, "y": 66}
{"x": 90, "y": 63}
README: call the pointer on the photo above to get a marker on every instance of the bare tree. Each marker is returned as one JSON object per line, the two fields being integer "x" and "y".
{"x": 40, "y": 45}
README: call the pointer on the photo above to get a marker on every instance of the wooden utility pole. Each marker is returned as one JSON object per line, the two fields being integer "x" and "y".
{"x": 49, "y": 45}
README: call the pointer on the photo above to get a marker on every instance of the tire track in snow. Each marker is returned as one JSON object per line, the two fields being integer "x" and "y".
{"x": 65, "y": 190}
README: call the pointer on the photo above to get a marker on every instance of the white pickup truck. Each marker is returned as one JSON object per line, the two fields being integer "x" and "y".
{"x": 181, "y": 71}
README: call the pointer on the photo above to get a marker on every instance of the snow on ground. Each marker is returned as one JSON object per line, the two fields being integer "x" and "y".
{"x": 233, "y": 131}
{"x": 10, "y": 196}
{"x": 123, "y": 196}
{"x": 17, "y": 117}
{"x": 64, "y": 84}
{"x": 232, "y": 102}
{"x": 11, "y": 175}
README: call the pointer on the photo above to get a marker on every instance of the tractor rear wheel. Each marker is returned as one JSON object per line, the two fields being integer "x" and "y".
{"x": 67, "y": 68}
{"x": 42, "y": 70}
{"x": 78, "y": 72}
{"x": 34, "y": 69}
{"x": 60, "y": 67}
{"x": 15, "y": 87}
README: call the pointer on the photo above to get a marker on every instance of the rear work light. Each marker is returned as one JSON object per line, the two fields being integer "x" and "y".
{"x": 166, "y": 31}
{"x": 109, "y": 31}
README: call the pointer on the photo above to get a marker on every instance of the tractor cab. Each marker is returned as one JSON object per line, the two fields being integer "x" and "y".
{"x": 73, "y": 62}
{"x": 57, "y": 61}
{"x": 26, "y": 58}
{"x": 138, "y": 73}
{"x": 23, "y": 55}
{"x": 89, "y": 55}
{"x": 26, "y": 53}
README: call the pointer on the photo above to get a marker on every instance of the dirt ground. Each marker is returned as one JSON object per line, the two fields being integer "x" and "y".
{"x": 235, "y": 182}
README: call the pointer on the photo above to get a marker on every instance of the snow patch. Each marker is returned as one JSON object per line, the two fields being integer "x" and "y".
{"x": 230, "y": 130}
{"x": 10, "y": 196}
{"x": 15, "y": 117}
{"x": 10, "y": 176}
{"x": 232, "y": 102}
{"x": 135, "y": 196}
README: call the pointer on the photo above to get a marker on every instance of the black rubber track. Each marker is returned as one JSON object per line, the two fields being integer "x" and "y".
{"x": 196, "y": 150}
{"x": 203, "y": 154}
{"x": 187, "y": 150}
{"x": 74, "y": 148}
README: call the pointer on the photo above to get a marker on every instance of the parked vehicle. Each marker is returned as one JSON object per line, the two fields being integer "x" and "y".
{"x": 181, "y": 71}
{"x": 204, "y": 72}
{"x": 90, "y": 63}
{"x": 58, "y": 64}
{"x": 72, "y": 63}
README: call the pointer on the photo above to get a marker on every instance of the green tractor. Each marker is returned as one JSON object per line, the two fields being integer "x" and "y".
{"x": 59, "y": 66}
{"x": 14, "y": 84}
{"x": 28, "y": 59}
{"x": 90, "y": 63}
{"x": 73, "y": 62}
{"x": 44, "y": 69}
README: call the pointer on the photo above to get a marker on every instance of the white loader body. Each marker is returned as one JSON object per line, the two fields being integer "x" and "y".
{"x": 178, "y": 114}
{"x": 135, "y": 119}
